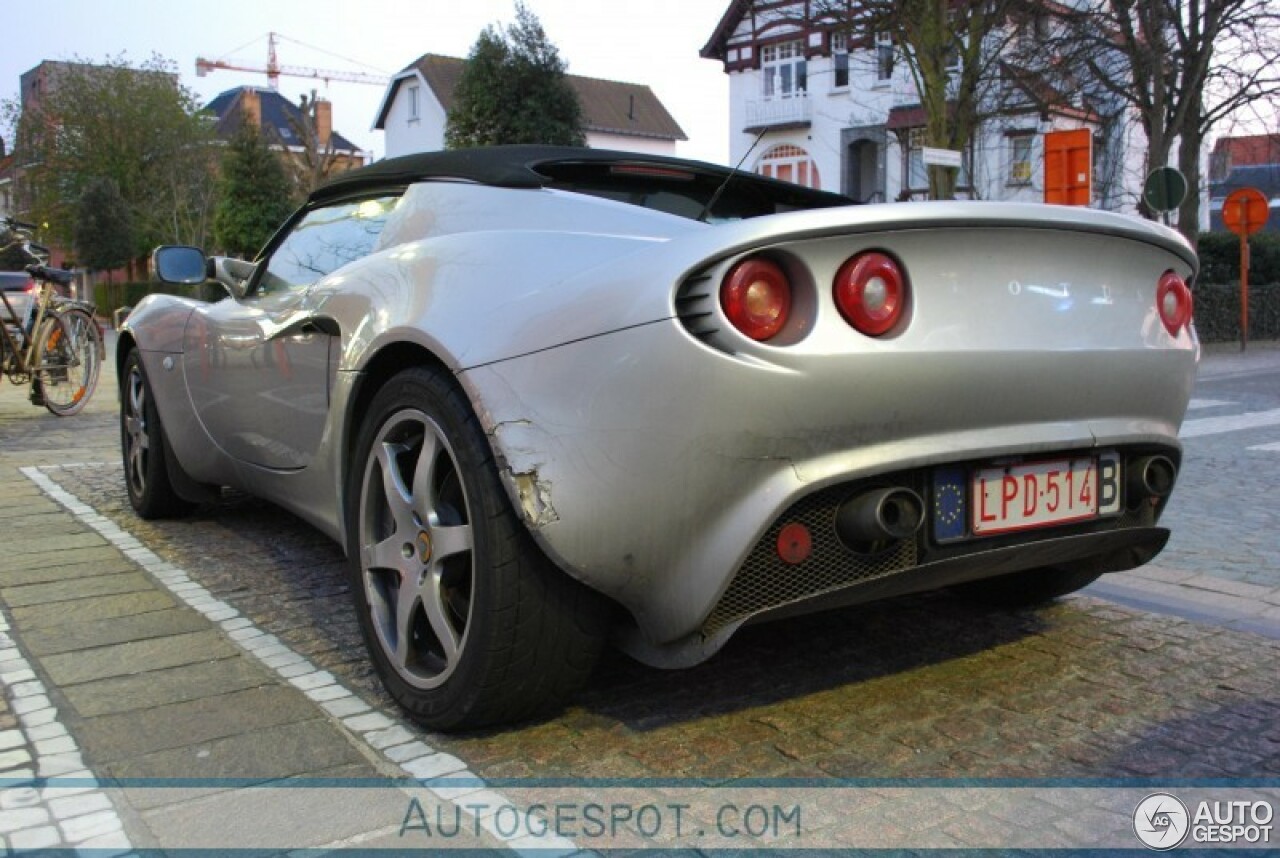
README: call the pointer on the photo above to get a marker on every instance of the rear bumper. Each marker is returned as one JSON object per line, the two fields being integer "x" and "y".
{"x": 650, "y": 467}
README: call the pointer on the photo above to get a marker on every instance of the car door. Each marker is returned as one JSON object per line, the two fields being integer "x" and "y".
{"x": 260, "y": 369}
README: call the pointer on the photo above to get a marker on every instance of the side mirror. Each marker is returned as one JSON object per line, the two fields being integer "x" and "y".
{"x": 179, "y": 265}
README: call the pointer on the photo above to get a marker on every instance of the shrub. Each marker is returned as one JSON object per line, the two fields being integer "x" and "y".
{"x": 1220, "y": 257}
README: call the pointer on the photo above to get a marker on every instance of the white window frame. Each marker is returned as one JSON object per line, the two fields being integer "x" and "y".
{"x": 415, "y": 102}
{"x": 784, "y": 72}
{"x": 795, "y": 160}
{"x": 839, "y": 61}
{"x": 1020, "y": 169}
{"x": 883, "y": 46}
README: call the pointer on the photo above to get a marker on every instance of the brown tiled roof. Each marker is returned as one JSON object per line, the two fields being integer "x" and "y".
{"x": 608, "y": 106}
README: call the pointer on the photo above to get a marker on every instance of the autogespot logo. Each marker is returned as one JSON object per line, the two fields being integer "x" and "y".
{"x": 1161, "y": 821}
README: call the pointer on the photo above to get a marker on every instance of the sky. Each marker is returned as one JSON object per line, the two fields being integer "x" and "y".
{"x": 654, "y": 42}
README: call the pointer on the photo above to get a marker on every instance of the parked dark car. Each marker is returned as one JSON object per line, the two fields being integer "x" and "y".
{"x": 18, "y": 287}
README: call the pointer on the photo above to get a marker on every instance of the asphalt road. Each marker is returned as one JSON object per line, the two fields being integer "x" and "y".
{"x": 155, "y": 670}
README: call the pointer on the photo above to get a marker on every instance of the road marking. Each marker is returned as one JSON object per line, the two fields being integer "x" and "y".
{"x": 1268, "y": 448}
{"x": 1196, "y": 404}
{"x": 440, "y": 773}
{"x": 1235, "y": 423}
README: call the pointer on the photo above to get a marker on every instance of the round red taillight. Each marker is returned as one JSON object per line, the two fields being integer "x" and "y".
{"x": 756, "y": 297}
{"x": 1173, "y": 301}
{"x": 871, "y": 292}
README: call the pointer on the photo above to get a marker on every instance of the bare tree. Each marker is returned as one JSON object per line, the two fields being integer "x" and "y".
{"x": 318, "y": 158}
{"x": 953, "y": 51}
{"x": 1181, "y": 67}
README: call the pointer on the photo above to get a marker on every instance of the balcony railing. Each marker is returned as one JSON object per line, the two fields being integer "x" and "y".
{"x": 772, "y": 112}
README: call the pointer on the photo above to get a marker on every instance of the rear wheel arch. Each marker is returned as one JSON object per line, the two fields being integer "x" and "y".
{"x": 383, "y": 366}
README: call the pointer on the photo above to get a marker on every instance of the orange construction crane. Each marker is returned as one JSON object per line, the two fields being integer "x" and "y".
{"x": 273, "y": 70}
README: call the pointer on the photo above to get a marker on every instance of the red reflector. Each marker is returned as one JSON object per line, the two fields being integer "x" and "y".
{"x": 795, "y": 544}
{"x": 1173, "y": 302}
{"x": 756, "y": 298}
{"x": 871, "y": 292}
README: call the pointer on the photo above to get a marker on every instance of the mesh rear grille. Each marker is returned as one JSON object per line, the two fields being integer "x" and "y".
{"x": 764, "y": 581}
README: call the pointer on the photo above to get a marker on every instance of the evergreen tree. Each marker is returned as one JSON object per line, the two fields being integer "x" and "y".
{"x": 103, "y": 228}
{"x": 254, "y": 194}
{"x": 514, "y": 90}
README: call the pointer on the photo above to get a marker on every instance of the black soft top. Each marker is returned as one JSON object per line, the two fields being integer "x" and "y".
{"x": 532, "y": 166}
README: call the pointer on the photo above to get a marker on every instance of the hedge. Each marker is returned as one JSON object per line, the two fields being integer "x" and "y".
{"x": 1220, "y": 257}
{"x": 1217, "y": 293}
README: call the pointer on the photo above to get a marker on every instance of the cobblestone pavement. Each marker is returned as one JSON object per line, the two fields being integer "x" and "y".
{"x": 179, "y": 649}
{"x": 1223, "y": 514}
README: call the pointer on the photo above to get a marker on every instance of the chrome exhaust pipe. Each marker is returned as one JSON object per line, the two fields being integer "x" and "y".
{"x": 1150, "y": 477}
{"x": 879, "y": 515}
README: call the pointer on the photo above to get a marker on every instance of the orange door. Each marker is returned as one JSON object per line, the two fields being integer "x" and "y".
{"x": 1068, "y": 167}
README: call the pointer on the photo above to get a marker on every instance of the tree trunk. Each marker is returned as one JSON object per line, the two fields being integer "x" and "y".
{"x": 1189, "y": 163}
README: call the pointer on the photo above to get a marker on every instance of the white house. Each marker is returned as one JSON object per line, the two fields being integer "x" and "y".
{"x": 812, "y": 102}
{"x": 626, "y": 116}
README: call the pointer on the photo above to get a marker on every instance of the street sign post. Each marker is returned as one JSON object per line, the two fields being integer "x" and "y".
{"x": 1244, "y": 212}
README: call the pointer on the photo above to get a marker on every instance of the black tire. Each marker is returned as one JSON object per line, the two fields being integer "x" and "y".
{"x": 143, "y": 447}
{"x": 69, "y": 361}
{"x": 1027, "y": 589}
{"x": 489, "y": 630}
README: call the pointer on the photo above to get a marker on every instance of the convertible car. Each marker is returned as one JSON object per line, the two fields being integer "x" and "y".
{"x": 548, "y": 397}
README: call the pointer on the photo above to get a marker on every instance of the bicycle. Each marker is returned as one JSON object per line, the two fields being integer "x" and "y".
{"x": 50, "y": 342}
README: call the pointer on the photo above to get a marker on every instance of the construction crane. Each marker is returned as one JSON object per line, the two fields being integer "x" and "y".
{"x": 273, "y": 70}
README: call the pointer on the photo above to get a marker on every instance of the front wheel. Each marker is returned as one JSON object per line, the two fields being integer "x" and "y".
{"x": 142, "y": 445}
{"x": 466, "y": 621}
{"x": 68, "y": 362}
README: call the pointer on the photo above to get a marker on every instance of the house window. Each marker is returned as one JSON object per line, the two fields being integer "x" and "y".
{"x": 413, "y": 103}
{"x": 884, "y": 56}
{"x": 839, "y": 61}
{"x": 1020, "y": 159}
{"x": 917, "y": 173}
{"x": 785, "y": 72}
{"x": 789, "y": 163}
{"x": 953, "y": 58}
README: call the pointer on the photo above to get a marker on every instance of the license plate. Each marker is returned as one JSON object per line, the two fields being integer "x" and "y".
{"x": 1038, "y": 494}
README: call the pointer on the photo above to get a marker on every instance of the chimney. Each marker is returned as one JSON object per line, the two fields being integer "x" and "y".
{"x": 251, "y": 104}
{"x": 324, "y": 121}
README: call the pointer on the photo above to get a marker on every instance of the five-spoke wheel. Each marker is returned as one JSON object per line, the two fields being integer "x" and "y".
{"x": 142, "y": 446}
{"x": 416, "y": 548}
{"x": 465, "y": 619}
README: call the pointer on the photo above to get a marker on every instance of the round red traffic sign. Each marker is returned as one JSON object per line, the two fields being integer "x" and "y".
{"x": 1245, "y": 211}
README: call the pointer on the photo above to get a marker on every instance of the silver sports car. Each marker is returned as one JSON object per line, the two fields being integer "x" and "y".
{"x": 548, "y": 397}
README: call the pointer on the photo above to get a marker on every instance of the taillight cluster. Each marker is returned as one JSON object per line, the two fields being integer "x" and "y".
{"x": 756, "y": 296}
{"x": 1173, "y": 301}
{"x": 870, "y": 290}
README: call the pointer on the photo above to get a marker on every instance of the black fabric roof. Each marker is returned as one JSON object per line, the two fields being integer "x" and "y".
{"x": 518, "y": 167}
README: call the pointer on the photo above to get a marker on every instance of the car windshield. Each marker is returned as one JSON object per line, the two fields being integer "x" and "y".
{"x": 712, "y": 196}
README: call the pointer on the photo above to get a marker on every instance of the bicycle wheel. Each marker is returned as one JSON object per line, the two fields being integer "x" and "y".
{"x": 68, "y": 362}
